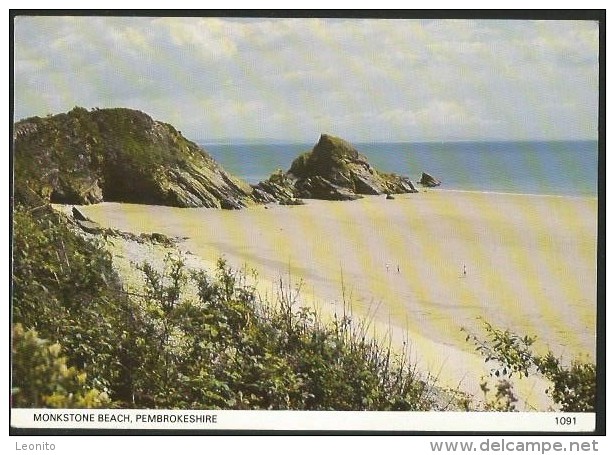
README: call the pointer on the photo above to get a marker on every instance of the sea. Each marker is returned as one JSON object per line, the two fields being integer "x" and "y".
{"x": 565, "y": 168}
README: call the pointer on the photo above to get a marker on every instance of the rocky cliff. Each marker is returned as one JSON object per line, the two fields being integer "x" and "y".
{"x": 121, "y": 155}
{"x": 332, "y": 170}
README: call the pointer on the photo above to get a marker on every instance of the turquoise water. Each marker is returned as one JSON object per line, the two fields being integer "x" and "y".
{"x": 538, "y": 167}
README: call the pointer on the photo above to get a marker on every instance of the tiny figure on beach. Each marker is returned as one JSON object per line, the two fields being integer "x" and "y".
{"x": 398, "y": 268}
{"x": 387, "y": 266}
{"x": 465, "y": 272}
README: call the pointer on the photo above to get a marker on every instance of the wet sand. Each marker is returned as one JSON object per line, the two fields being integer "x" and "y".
{"x": 530, "y": 266}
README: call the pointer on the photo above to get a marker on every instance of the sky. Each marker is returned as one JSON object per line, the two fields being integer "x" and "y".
{"x": 295, "y": 78}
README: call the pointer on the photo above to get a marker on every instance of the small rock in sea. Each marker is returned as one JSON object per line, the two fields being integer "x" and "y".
{"x": 390, "y": 196}
{"x": 429, "y": 180}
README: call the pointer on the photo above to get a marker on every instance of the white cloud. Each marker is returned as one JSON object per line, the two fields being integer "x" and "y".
{"x": 291, "y": 78}
{"x": 208, "y": 38}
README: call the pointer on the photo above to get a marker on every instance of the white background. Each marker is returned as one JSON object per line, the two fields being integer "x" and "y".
{"x": 251, "y": 444}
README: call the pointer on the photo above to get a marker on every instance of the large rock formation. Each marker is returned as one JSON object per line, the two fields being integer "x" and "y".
{"x": 333, "y": 170}
{"x": 122, "y": 155}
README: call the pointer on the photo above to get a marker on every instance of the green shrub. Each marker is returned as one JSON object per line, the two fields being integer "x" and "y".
{"x": 229, "y": 350}
{"x": 64, "y": 287}
{"x": 41, "y": 377}
{"x": 573, "y": 387}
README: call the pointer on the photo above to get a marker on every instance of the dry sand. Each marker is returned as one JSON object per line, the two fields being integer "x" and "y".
{"x": 530, "y": 266}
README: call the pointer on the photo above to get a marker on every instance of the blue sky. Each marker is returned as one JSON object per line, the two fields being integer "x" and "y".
{"x": 291, "y": 79}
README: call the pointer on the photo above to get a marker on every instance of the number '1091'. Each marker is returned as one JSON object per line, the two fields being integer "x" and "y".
{"x": 566, "y": 420}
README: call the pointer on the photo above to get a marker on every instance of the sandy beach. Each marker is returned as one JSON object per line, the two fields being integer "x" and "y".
{"x": 530, "y": 265}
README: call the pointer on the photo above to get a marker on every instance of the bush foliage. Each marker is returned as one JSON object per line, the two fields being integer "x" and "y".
{"x": 41, "y": 377}
{"x": 64, "y": 287}
{"x": 573, "y": 387}
{"x": 220, "y": 348}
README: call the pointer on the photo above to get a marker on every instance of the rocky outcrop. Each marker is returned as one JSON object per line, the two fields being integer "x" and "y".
{"x": 278, "y": 187}
{"x": 122, "y": 155}
{"x": 429, "y": 181}
{"x": 89, "y": 226}
{"x": 85, "y": 223}
{"x": 318, "y": 187}
{"x": 77, "y": 215}
{"x": 333, "y": 170}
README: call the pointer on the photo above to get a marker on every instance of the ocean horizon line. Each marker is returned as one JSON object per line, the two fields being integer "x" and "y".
{"x": 271, "y": 141}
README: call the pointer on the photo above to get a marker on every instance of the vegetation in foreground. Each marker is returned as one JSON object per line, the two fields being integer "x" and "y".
{"x": 79, "y": 340}
{"x": 572, "y": 387}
